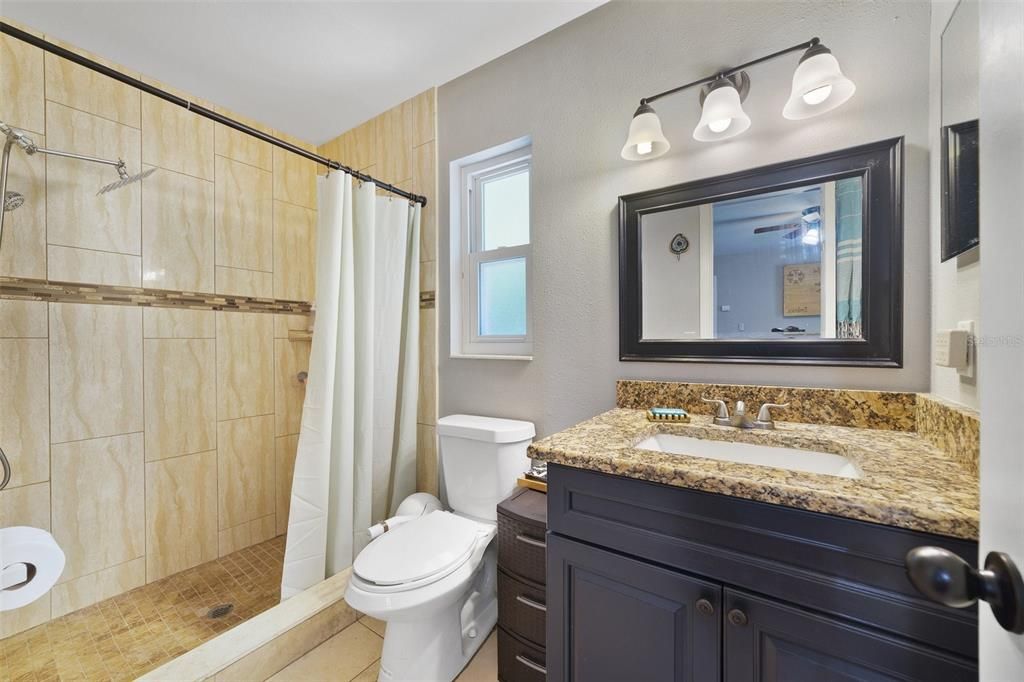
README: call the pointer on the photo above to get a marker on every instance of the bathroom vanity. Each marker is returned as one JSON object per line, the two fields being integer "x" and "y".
{"x": 668, "y": 566}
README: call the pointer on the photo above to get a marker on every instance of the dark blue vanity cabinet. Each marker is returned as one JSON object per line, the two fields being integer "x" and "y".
{"x": 652, "y": 582}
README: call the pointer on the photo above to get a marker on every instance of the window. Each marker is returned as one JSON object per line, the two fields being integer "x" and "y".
{"x": 491, "y": 254}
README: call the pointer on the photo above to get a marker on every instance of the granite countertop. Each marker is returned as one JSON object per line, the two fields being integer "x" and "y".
{"x": 907, "y": 482}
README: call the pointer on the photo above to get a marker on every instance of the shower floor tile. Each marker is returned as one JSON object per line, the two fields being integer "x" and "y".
{"x": 127, "y": 635}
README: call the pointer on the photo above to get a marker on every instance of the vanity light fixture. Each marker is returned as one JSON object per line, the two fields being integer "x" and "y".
{"x": 818, "y": 86}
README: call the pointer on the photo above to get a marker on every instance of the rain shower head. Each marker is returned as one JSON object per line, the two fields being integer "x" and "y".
{"x": 125, "y": 178}
{"x": 13, "y": 200}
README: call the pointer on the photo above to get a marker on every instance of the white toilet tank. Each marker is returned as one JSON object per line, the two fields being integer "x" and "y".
{"x": 482, "y": 457}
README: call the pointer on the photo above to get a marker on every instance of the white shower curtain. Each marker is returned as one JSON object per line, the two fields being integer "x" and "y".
{"x": 356, "y": 457}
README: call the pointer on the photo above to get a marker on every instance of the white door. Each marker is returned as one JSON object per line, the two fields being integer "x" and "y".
{"x": 1001, "y": 354}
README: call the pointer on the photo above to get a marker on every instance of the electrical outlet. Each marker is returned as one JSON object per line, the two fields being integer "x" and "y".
{"x": 972, "y": 350}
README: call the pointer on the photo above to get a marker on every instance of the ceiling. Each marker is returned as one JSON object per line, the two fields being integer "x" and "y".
{"x": 736, "y": 220}
{"x": 310, "y": 69}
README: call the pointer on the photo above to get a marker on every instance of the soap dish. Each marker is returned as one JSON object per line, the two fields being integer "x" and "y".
{"x": 668, "y": 414}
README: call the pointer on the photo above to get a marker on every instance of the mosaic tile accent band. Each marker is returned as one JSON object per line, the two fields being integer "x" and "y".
{"x": 68, "y": 292}
{"x": 895, "y": 411}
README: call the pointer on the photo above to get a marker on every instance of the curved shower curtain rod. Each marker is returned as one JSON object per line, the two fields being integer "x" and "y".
{"x": 53, "y": 48}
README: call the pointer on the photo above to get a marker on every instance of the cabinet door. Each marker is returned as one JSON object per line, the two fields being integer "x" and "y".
{"x": 611, "y": 617}
{"x": 769, "y": 641}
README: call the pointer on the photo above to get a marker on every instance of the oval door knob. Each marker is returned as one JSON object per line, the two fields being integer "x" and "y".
{"x": 705, "y": 607}
{"x": 944, "y": 577}
{"x": 737, "y": 618}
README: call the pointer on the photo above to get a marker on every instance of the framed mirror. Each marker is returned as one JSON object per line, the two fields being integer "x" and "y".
{"x": 799, "y": 262}
{"x": 959, "y": 106}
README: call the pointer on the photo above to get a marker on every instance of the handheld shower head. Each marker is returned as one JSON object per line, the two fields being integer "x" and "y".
{"x": 13, "y": 200}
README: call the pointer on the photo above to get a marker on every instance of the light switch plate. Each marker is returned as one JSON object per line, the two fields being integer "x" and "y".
{"x": 972, "y": 349}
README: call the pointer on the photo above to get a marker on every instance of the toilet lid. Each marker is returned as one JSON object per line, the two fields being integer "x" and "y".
{"x": 431, "y": 545}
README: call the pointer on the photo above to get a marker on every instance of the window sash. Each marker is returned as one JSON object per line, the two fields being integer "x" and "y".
{"x": 472, "y": 255}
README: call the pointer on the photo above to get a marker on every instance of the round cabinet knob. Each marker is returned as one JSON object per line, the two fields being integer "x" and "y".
{"x": 705, "y": 607}
{"x": 737, "y": 618}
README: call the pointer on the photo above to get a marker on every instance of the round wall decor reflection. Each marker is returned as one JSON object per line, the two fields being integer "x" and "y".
{"x": 679, "y": 245}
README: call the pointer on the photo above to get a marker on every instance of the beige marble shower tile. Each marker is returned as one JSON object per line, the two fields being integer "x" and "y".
{"x": 426, "y": 403}
{"x": 25, "y": 506}
{"x": 98, "y": 507}
{"x": 294, "y": 252}
{"x": 244, "y": 216}
{"x": 25, "y": 415}
{"x": 168, "y": 323}
{"x": 67, "y": 264}
{"x": 177, "y": 232}
{"x": 239, "y": 146}
{"x": 95, "y": 371}
{"x": 358, "y": 147}
{"x": 23, "y": 319}
{"x": 75, "y": 214}
{"x": 24, "y": 240}
{"x": 245, "y": 365}
{"x": 176, "y": 139}
{"x": 238, "y": 282}
{"x": 394, "y": 143}
{"x": 181, "y": 397}
{"x": 342, "y": 657}
{"x": 87, "y": 590}
{"x": 426, "y": 459}
{"x": 233, "y": 539}
{"x": 21, "y": 66}
{"x": 284, "y": 323}
{"x": 423, "y": 108}
{"x": 290, "y": 358}
{"x": 428, "y": 276}
{"x": 285, "y": 449}
{"x": 262, "y": 529}
{"x": 181, "y": 513}
{"x": 425, "y": 184}
{"x": 86, "y": 90}
{"x": 294, "y": 179}
{"x": 245, "y": 470}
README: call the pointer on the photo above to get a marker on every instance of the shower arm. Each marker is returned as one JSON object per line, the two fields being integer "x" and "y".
{"x": 122, "y": 170}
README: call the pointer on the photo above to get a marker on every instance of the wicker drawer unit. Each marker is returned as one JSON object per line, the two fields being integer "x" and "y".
{"x": 522, "y": 611}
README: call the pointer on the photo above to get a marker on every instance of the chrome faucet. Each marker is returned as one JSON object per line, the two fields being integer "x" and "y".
{"x": 740, "y": 419}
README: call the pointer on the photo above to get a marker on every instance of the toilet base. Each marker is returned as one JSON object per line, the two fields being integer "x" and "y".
{"x": 437, "y": 648}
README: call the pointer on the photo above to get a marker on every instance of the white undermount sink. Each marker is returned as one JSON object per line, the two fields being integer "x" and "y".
{"x": 750, "y": 453}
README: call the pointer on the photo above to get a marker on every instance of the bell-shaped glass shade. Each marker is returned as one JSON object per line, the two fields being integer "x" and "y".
{"x": 645, "y": 139}
{"x": 818, "y": 86}
{"x": 723, "y": 116}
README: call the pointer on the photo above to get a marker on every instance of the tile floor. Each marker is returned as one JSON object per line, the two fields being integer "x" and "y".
{"x": 127, "y": 635}
{"x": 353, "y": 655}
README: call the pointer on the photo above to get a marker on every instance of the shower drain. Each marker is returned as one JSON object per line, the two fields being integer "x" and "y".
{"x": 220, "y": 610}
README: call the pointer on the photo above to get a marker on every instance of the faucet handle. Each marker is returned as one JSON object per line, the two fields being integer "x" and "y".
{"x": 764, "y": 415}
{"x": 722, "y": 415}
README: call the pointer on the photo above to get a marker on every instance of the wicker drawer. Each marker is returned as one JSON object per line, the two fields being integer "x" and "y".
{"x": 521, "y": 548}
{"x": 521, "y": 608}
{"x": 518, "y": 661}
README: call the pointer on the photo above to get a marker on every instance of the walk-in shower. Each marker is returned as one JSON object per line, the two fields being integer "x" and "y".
{"x": 15, "y": 137}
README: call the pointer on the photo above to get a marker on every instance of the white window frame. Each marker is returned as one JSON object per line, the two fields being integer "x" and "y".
{"x": 467, "y": 255}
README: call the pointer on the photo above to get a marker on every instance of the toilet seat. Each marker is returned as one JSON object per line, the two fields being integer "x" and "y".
{"x": 420, "y": 552}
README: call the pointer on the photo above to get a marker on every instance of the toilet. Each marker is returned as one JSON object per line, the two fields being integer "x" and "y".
{"x": 433, "y": 579}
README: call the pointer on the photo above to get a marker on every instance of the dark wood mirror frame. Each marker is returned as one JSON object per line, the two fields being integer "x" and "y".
{"x": 880, "y": 164}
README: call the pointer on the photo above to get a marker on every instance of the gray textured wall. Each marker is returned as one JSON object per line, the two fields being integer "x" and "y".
{"x": 574, "y": 90}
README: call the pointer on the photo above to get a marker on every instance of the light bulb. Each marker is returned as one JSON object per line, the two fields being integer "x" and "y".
{"x": 720, "y": 125}
{"x": 817, "y": 95}
{"x": 811, "y": 237}
{"x": 644, "y": 147}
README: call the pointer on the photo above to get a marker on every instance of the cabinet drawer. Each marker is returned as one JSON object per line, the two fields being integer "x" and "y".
{"x": 522, "y": 548}
{"x": 522, "y": 608}
{"x": 518, "y": 661}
